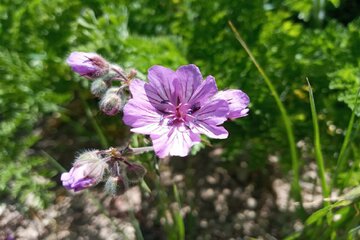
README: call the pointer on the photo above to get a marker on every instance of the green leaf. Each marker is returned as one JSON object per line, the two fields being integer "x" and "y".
{"x": 316, "y": 216}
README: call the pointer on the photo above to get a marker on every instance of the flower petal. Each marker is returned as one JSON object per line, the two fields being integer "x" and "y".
{"x": 80, "y": 62}
{"x": 238, "y": 102}
{"x": 214, "y": 111}
{"x": 174, "y": 142}
{"x": 137, "y": 89}
{"x": 211, "y": 130}
{"x": 161, "y": 80}
{"x": 209, "y": 117}
{"x": 144, "y": 94}
{"x": 205, "y": 91}
{"x": 190, "y": 78}
{"x": 82, "y": 184}
{"x": 141, "y": 116}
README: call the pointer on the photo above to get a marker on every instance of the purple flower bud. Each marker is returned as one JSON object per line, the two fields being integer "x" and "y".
{"x": 10, "y": 236}
{"x": 111, "y": 103}
{"x": 87, "y": 171}
{"x": 89, "y": 65}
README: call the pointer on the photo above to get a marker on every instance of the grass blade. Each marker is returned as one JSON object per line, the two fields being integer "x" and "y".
{"x": 341, "y": 159}
{"x": 179, "y": 222}
{"x": 317, "y": 144}
{"x": 285, "y": 117}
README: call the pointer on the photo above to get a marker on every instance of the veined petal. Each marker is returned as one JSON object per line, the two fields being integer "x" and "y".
{"x": 208, "y": 118}
{"x": 205, "y": 91}
{"x": 138, "y": 114}
{"x": 137, "y": 89}
{"x": 210, "y": 130}
{"x": 151, "y": 128}
{"x": 214, "y": 111}
{"x": 161, "y": 79}
{"x": 144, "y": 94}
{"x": 238, "y": 102}
{"x": 190, "y": 78}
{"x": 174, "y": 142}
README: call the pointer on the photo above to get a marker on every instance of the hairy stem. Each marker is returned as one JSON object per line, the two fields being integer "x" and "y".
{"x": 141, "y": 150}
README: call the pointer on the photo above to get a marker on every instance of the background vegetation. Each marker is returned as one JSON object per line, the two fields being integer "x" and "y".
{"x": 45, "y": 110}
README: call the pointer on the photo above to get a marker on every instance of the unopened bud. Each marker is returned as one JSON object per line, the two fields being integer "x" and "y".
{"x": 115, "y": 186}
{"x": 111, "y": 103}
{"x": 88, "y": 156}
{"x": 98, "y": 87}
{"x": 87, "y": 171}
{"x": 90, "y": 65}
{"x": 135, "y": 172}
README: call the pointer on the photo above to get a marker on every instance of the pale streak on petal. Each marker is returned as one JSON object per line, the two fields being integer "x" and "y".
{"x": 174, "y": 143}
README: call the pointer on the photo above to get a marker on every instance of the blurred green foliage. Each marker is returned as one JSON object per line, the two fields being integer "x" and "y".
{"x": 35, "y": 39}
{"x": 292, "y": 40}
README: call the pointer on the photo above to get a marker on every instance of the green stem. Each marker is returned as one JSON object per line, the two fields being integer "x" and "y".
{"x": 103, "y": 141}
{"x": 141, "y": 150}
{"x": 317, "y": 143}
{"x": 287, "y": 122}
{"x": 351, "y": 171}
{"x": 135, "y": 223}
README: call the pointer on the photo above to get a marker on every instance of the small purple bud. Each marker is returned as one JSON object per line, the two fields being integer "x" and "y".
{"x": 132, "y": 74}
{"x": 10, "y": 236}
{"x": 87, "y": 171}
{"x": 111, "y": 103}
{"x": 89, "y": 65}
{"x": 98, "y": 87}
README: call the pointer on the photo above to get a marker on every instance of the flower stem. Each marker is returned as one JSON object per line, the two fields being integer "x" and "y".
{"x": 120, "y": 73}
{"x": 141, "y": 150}
{"x": 90, "y": 116}
{"x": 285, "y": 117}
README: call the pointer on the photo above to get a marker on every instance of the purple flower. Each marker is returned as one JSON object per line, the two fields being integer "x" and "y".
{"x": 89, "y": 65}
{"x": 87, "y": 171}
{"x": 175, "y": 107}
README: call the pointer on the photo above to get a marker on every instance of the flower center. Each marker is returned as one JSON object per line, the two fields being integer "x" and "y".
{"x": 180, "y": 115}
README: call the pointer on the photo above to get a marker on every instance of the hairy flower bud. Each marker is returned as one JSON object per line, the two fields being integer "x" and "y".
{"x": 111, "y": 103}
{"x": 98, "y": 87}
{"x": 116, "y": 185}
{"x": 135, "y": 172}
{"x": 89, "y": 65}
{"x": 87, "y": 171}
